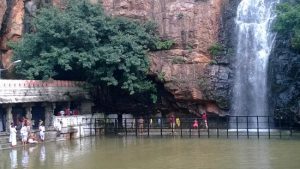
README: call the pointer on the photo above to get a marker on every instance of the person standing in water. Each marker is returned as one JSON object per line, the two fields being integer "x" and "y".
{"x": 42, "y": 131}
{"x": 24, "y": 134}
{"x": 13, "y": 135}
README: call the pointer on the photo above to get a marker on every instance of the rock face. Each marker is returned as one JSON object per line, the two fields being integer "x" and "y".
{"x": 186, "y": 71}
{"x": 192, "y": 24}
{"x": 2, "y": 10}
{"x": 12, "y": 30}
{"x": 285, "y": 83}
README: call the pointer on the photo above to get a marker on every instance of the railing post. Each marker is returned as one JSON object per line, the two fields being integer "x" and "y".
{"x": 237, "y": 126}
{"x": 290, "y": 125}
{"x": 280, "y": 126}
{"x": 90, "y": 126}
{"x": 95, "y": 124}
{"x": 227, "y": 127}
{"x": 148, "y": 131}
{"x": 190, "y": 131}
{"x": 199, "y": 128}
{"x": 105, "y": 125}
{"x": 181, "y": 127}
{"x": 116, "y": 126}
{"x": 126, "y": 127}
{"x": 136, "y": 127}
{"x": 269, "y": 132}
{"x": 257, "y": 123}
{"x": 208, "y": 132}
{"x": 247, "y": 126}
{"x": 218, "y": 126}
{"x": 161, "y": 123}
{"x": 79, "y": 126}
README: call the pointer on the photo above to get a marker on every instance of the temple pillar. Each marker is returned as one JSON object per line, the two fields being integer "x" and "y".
{"x": 9, "y": 117}
{"x": 49, "y": 109}
{"x": 28, "y": 109}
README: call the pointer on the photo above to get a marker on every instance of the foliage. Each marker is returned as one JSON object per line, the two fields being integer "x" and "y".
{"x": 216, "y": 49}
{"x": 82, "y": 43}
{"x": 288, "y": 22}
{"x": 213, "y": 62}
{"x": 179, "y": 16}
{"x": 164, "y": 44}
{"x": 161, "y": 76}
{"x": 189, "y": 47}
{"x": 178, "y": 60}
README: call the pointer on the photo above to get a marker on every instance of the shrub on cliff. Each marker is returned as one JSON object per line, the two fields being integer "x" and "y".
{"x": 82, "y": 43}
{"x": 287, "y": 22}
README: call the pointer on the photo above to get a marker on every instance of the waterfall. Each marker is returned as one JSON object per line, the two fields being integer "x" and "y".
{"x": 254, "y": 44}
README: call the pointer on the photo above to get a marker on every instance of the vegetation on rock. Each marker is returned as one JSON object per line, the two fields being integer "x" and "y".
{"x": 288, "y": 22}
{"x": 82, "y": 43}
{"x": 216, "y": 49}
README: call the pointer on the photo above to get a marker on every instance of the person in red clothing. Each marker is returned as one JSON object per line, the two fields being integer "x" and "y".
{"x": 204, "y": 118}
{"x": 195, "y": 124}
{"x": 172, "y": 121}
{"x": 67, "y": 112}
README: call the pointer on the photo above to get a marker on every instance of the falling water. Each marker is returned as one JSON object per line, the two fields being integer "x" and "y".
{"x": 254, "y": 44}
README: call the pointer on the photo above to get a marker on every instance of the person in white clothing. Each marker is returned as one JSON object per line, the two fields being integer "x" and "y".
{"x": 59, "y": 128}
{"x": 42, "y": 132}
{"x": 24, "y": 134}
{"x": 10, "y": 126}
{"x": 13, "y": 135}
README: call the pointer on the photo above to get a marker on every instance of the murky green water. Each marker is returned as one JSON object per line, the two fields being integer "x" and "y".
{"x": 156, "y": 153}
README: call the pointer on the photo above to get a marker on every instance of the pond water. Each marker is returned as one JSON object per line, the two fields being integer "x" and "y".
{"x": 155, "y": 153}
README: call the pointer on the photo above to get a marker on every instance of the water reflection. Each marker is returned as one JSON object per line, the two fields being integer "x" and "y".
{"x": 25, "y": 158}
{"x": 43, "y": 154}
{"x": 149, "y": 153}
{"x": 13, "y": 158}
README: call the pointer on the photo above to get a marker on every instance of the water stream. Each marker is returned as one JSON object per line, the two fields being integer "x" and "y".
{"x": 254, "y": 44}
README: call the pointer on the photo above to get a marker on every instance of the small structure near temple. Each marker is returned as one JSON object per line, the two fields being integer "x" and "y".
{"x": 41, "y": 100}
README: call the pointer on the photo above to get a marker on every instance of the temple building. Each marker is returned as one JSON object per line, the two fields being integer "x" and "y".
{"x": 41, "y": 100}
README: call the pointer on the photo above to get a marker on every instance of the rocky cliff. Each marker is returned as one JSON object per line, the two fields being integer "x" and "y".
{"x": 194, "y": 80}
{"x": 284, "y": 84}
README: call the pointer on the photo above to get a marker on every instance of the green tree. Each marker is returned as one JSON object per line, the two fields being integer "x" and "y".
{"x": 82, "y": 43}
{"x": 287, "y": 22}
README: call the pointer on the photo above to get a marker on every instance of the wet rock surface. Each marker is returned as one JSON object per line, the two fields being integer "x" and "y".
{"x": 284, "y": 73}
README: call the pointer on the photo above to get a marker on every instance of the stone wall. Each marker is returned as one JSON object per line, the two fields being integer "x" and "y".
{"x": 22, "y": 91}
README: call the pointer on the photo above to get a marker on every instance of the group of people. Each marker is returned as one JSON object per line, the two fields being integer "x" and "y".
{"x": 27, "y": 136}
{"x": 196, "y": 123}
{"x": 175, "y": 122}
{"x": 68, "y": 112}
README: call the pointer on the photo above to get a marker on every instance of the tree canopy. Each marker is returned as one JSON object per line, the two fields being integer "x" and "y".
{"x": 287, "y": 22}
{"x": 82, "y": 43}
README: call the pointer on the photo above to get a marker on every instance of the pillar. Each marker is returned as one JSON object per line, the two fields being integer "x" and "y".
{"x": 49, "y": 109}
{"x": 28, "y": 109}
{"x": 9, "y": 118}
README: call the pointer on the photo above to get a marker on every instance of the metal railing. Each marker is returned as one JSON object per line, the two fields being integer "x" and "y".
{"x": 228, "y": 126}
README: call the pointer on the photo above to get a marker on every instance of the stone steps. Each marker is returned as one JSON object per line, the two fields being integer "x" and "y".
{"x": 4, "y": 138}
{"x": 5, "y": 146}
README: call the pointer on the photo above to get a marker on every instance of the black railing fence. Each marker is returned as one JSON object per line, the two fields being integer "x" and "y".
{"x": 215, "y": 126}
